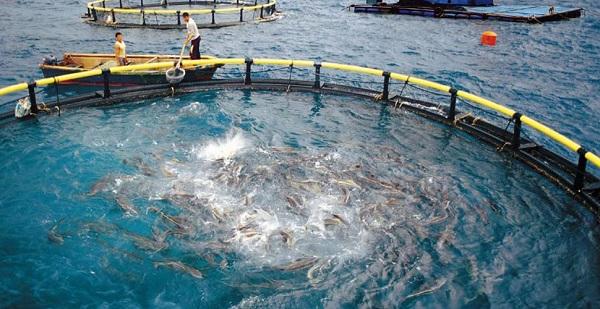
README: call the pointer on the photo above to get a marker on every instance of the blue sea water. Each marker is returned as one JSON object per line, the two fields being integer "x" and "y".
{"x": 465, "y": 227}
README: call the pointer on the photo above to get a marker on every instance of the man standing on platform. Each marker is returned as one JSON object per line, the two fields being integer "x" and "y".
{"x": 193, "y": 36}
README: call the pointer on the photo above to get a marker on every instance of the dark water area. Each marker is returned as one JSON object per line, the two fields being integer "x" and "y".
{"x": 298, "y": 200}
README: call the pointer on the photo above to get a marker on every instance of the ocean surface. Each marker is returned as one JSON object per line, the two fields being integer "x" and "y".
{"x": 257, "y": 199}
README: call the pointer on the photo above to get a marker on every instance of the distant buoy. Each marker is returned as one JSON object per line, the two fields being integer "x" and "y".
{"x": 488, "y": 38}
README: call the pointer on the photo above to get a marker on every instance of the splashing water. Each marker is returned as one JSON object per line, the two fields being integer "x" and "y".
{"x": 271, "y": 206}
{"x": 265, "y": 211}
{"x": 223, "y": 149}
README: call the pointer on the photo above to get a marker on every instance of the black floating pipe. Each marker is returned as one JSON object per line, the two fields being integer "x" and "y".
{"x": 516, "y": 138}
{"x": 32, "y": 98}
{"x": 386, "y": 86}
{"x": 165, "y": 3}
{"x": 106, "y": 79}
{"x": 114, "y": 19}
{"x": 255, "y": 2}
{"x": 213, "y": 16}
{"x": 178, "y": 18}
{"x": 94, "y": 14}
{"x": 143, "y": 18}
{"x": 142, "y": 3}
{"x": 89, "y": 13}
{"x": 248, "y": 79}
{"x": 242, "y": 15}
{"x": 580, "y": 174}
{"x": 120, "y": 4}
{"x": 452, "y": 110}
{"x": 104, "y": 3}
{"x": 262, "y": 8}
{"x": 317, "y": 75}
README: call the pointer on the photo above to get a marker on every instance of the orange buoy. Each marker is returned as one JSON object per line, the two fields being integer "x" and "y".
{"x": 488, "y": 38}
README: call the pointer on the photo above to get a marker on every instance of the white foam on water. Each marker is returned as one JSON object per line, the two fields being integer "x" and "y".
{"x": 225, "y": 149}
{"x": 223, "y": 212}
{"x": 269, "y": 215}
{"x": 194, "y": 108}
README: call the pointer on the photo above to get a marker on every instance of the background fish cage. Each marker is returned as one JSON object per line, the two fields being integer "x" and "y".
{"x": 548, "y": 152}
{"x": 166, "y": 14}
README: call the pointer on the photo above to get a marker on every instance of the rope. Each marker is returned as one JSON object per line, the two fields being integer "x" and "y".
{"x": 25, "y": 96}
{"x": 501, "y": 148}
{"x": 240, "y": 73}
{"x": 289, "y": 69}
{"x": 271, "y": 70}
{"x": 426, "y": 90}
{"x": 461, "y": 117}
{"x": 43, "y": 107}
{"x": 304, "y": 70}
{"x": 494, "y": 115}
{"x": 497, "y": 117}
{"x": 406, "y": 92}
{"x": 231, "y": 74}
{"x": 354, "y": 80}
{"x": 508, "y": 125}
{"x": 398, "y": 104}
{"x": 405, "y": 84}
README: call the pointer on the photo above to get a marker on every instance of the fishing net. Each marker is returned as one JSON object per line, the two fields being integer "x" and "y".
{"x": 175, "y": 75}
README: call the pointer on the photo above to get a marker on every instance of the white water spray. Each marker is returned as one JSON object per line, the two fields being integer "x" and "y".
{"x": 224, "y": 149}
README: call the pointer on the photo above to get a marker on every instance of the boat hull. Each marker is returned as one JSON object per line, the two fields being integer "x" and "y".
{"x": 512, "y": 13}
{"x": 75, "y": 63}
{"x": 127, "y": 80}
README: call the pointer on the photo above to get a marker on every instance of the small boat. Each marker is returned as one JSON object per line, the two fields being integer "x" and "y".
{"x": 470, "y": 9}
{"x": 75, "y": 62}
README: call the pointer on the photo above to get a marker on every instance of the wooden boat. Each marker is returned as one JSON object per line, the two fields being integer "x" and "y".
{"x": 470, "y": 9}
{"x": 75, "y": 62}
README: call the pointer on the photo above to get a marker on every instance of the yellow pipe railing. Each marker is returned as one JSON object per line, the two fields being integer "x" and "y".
{"x": 503, "y": 110}
{"x": 351, "y": 68}
{"x": 284, "y": 62}
{"x": 593, "y": 158}
{"x": 551, "y": 133}
{"x": 97, "y": 5}
{"x": 13, "y": 88}
{"x": 487, "y": 103}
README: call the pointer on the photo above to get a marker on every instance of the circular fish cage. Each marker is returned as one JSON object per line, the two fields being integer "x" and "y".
{"x": 283, "y": 182}
{"x": 566, "y": 165}
{"x": 168, "y": 14}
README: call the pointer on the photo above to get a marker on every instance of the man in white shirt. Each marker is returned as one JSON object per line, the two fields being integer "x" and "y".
{"x": 193, "y": 36}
